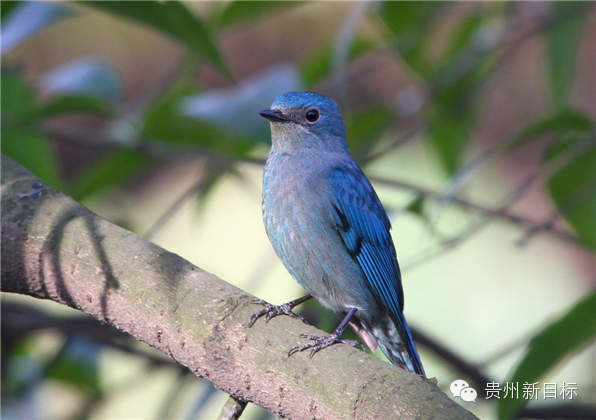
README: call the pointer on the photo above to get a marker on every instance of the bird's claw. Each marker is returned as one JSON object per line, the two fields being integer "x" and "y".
{"x": 271, "y": 311}
{"x": 321, "y": 342}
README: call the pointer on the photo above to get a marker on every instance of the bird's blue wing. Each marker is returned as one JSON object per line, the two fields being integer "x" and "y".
{"x": 364, "y": 228}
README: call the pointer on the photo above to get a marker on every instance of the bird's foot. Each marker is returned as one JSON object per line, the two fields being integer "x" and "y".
{"x": 271, "y": 311}
{"x": 321, "y": 342}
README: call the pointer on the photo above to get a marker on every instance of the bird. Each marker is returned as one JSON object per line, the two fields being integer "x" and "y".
{"x": 330, "y": 230}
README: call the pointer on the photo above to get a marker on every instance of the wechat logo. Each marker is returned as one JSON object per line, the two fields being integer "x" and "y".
{"x": 460, "y": 388}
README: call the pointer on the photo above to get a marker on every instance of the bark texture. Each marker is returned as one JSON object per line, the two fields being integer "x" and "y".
{"x": 54, "y": 248}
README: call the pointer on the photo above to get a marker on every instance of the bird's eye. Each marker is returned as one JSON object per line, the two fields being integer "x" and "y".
{"x": 312, "y": 115}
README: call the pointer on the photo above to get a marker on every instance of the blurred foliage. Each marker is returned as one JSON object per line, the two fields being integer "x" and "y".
{"x": 451, "y": 78}
{"x": 563, "y": 40}
{"x": 172, "y": 18}
{"x": 568, "y": 334}
{"x": 239, "y": 11}
{"x": 320, "y": 64}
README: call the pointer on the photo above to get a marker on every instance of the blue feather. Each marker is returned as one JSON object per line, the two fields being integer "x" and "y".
{"x": 364, "y": 227}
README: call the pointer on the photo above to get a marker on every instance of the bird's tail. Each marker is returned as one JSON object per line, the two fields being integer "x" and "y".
{"x": 395, "y": 340}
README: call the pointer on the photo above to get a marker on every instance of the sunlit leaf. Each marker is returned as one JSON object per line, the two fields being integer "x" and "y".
{"x": 172, "y": 18}
{"x": 21, "y": 20}
{"x": 562, "y": 337}
{"x": 562, "y": 45}
{"x": 73, "y": 104}
{"x": 320, "y": 64}
{"x": 563, "y": 122}
{"x": 109, "y": 171}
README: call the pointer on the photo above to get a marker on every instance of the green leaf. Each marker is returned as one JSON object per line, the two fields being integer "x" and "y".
{"x": 464, "y": 34}
{"x": 320, "y": 64}
{"x": 21, "y": 139}
{"x": 74, "y": 104}
{"x": 7, "y": 7}
{"x": 564, "y": 336}
{"x": 241, "y": 11}
{"x": 563, "y": 122}
{"x": 562, "y": 45}
{"x": 449, "y": 134}
{"x": 411, "y": 23}
{"x": 164, "y": 122}
{"x": 573, "y": 190}
{"x": 172, "y": 18}
{"x": 109, "y": 171}
{"x": 366, "y": 127}
{"x": 33, "y": 151}
{"x": 18, "y": 101}
{"x": 76, "y": 365}
{"x": 417, "y": 206}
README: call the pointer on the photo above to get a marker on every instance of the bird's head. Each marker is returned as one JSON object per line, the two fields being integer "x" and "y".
{"x": 305, "y": 120}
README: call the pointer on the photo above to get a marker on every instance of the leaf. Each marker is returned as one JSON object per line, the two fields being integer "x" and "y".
{"x": 562, "y": 337}
{"x": 109, "y": 171}
{"x": 33, "y": 151}
{"x": 449, "y": 134}
{"x": 22, "y": 20}
{"x": 573, "y": 190}
{"x": 417, "y": 206}
{"x": 562, "y": 45}
{"x": 18, "y": 102}
{"x": 241, "y": 102}
{"x": 565, "y": 121}
{"x": 411, "y": 22}
{"x": 84, "y": 77}
{"x": 320, "y": 64}
{"x": 7, "y": 8}
{"x": 77, "y": 365}
{"x": 165, "y": 123}
{"x": 241, "y": 11}
{"x": 20, "y": 138}
{"x": 366, "y": 127}
{"x": 464, "y": 34}
{"x": 73, "y": 104}
{"x": 172, "y": 18}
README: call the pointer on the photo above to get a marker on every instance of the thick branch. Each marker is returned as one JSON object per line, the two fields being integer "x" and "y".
{"x": 53, "y": 248}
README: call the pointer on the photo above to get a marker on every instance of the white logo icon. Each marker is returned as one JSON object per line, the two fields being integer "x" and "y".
{"x": 460, "y": 388}
{"x": 468, "y": 394}
{"x": 457, "y": 386}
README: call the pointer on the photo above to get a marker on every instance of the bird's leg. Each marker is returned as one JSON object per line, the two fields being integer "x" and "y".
{"x": 271, "y": 311}
{"x": 321, "y": 342}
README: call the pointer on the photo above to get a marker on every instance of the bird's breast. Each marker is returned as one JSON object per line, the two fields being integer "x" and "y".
{"x": 297, "y": 213}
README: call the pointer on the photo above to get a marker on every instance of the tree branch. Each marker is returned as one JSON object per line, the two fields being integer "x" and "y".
{"x": 54, "y": 248}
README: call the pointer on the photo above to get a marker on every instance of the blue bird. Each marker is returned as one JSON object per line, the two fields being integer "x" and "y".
{"x": 330, "y": 230}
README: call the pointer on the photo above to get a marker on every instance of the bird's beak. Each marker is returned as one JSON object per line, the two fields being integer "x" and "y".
{"x": 274, "y": 115}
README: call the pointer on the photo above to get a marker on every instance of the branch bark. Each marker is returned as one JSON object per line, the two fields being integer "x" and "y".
{"x": 54, "y": 248}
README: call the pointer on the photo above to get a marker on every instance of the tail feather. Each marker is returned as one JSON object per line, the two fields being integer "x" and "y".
{"x": 395, "y": 340}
